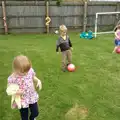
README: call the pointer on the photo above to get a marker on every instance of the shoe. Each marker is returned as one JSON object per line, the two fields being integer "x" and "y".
{"x": 67, "y": 64}
{"x": 64, "y": 70}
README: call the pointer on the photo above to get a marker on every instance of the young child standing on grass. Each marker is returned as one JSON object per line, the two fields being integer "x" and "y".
{"x": 117, "y": 37}
{"x": 24, "y": 95}
{"x": 65, "y": 45}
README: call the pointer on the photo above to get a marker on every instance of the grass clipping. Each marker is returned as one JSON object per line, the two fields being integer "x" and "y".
{"x": 77, "y": 113}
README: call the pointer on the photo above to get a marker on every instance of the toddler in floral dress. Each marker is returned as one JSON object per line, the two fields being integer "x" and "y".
{"x": 24, "y": 76}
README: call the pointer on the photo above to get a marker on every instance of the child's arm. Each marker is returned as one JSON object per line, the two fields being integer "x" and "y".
{"x": 70, "y": 43}
{"x": 39, "y": 84}
{"x": 117, "y": 35}
{"x": 57, "y": 45}
{"x": 19, "y": 92}
{"x": 11, "y": 81}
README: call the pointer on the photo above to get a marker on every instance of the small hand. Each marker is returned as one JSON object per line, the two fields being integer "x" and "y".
{"x": 39, "y": 85}
{"x": 71, "y": 48}
{"x": 118, "y": 37}
{"x": 19, "y": 92}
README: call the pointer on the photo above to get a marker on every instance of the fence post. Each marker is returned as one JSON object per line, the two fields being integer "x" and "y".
{"x": 4, "y": 17}
{"x": 85, "y": 16}
{"x": 48, "y": 20}
{"x": 117, "y": 6}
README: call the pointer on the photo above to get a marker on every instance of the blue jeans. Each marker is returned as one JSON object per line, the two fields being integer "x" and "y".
{"x": 33, "y": 109}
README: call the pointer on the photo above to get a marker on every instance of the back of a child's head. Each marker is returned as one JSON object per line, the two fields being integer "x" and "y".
{"x": 21, "y": 64}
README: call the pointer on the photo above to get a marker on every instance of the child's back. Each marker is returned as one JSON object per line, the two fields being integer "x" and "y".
{"x": 25, "y": 83}
{"x": 24, "y": 95}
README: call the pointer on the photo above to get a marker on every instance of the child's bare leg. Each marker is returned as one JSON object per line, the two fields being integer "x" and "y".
{"x": 115, "y": 49}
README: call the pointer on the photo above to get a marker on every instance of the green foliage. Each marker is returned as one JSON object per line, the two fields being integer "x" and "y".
{"x": 58, "y": 2}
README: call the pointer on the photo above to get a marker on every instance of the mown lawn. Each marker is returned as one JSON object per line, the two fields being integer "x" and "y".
{"x": 95, "y": 85}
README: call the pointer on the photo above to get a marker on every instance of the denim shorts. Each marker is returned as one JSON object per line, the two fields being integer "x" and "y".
{"x": 117, "y": 42}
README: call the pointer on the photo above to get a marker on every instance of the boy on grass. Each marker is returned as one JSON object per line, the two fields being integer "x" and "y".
{"x": 65, "y": 46}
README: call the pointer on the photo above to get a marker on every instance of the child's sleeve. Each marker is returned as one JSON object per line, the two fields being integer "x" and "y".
{"x": 11, "y": 80}
{"x": 32, "y": 72}
{"x": 57, "y": 45}
{"x": 69, "y": 41}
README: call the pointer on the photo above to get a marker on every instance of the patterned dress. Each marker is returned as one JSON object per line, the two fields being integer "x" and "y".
{"x": 118, "y": 33}
{"x": 25, "y": 83}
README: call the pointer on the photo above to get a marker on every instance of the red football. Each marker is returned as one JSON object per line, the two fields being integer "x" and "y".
{"x": 71, "y": 67}
{"x": 118, "y": 50}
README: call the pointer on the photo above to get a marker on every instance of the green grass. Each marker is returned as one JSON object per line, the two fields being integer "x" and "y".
{"x": 95, "y": 84}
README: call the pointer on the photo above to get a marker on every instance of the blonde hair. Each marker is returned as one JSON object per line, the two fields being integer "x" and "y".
{"x": 21, "y": 64}
{"x": 62, "y": 28}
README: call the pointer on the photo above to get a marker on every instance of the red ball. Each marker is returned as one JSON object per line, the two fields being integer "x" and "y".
{"x": 118, "y": 50}
{"x": 71, "y": 67}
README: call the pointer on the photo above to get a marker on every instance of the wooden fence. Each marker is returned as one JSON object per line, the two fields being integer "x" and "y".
{"x": 29, "y": 17}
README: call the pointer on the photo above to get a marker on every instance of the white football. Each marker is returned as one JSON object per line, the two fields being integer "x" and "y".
{"x": 56, "y": 32}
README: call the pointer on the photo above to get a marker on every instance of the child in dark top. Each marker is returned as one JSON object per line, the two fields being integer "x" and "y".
{"x": 65, "y": 46}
